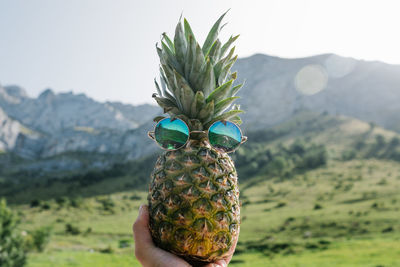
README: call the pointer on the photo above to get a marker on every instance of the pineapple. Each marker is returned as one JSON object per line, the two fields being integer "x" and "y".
{"x": 194, "y": 196}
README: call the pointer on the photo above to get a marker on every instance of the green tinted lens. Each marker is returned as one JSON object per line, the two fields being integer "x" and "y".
{"x": 225, "y": 135}
{"x": 171, "y": 134}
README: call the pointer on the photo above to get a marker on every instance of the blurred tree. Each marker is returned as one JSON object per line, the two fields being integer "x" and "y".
{"x": 12, "y": 250}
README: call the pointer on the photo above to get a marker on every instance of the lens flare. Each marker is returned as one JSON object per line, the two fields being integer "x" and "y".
{"x": 311, "y": 79}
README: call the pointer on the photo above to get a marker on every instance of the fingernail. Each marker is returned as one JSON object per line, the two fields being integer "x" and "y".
{"x": 141, "y": 209}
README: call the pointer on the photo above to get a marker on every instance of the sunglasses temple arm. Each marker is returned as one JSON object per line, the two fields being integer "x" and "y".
{"x": 244, "y": 139}
{"x": 151, "y": 135}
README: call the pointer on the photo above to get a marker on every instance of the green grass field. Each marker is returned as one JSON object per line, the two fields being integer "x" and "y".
{"x": 345, "y": 214}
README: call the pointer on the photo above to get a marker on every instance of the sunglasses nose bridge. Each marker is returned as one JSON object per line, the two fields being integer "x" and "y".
{"x": 198, "y": 135}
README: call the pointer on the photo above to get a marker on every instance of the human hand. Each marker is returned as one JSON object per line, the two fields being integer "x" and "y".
{"x": 151, "y": 256}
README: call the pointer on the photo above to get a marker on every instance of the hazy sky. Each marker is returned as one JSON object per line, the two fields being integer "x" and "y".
{"x": 106, "y": 48}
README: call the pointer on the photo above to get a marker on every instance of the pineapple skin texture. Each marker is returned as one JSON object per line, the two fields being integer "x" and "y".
{"x": 194, "y": 202}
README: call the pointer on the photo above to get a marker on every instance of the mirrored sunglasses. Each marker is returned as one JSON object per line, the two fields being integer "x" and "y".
{"x": 173, "y": 134}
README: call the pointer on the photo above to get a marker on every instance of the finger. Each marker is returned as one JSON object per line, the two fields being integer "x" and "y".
{"x": 219, "y": 263}
{"x": 141, "y": 227}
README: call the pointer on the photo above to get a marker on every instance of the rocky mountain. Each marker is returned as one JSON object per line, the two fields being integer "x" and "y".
{"x": 53, "y": 113}
{"x": 9, "y": 131}
{"x": 276, "y": 87}
{"x": 53, "y": 124}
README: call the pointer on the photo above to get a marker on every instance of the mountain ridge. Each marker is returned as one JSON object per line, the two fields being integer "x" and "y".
{"x": 272, "y": 94}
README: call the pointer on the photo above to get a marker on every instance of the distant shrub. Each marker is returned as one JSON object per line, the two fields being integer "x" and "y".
{"x": 380, "y": 141}
{"x": 41, "y": 238}
{"x": 372, "y": 125}
{"x": 35, "y": 203}
{"x": 378, "y": 205}
{"x": 62, "y": 201}
{"x": 290, "y": 219}
{"x": 12, "y": 249}
{"x": 315, "y": 156}
{"x": 395, "y": 141}
{"x": 107, "y": 204}
{"x": 349, "y": 155}
{"x": 76, "y": 202}
{"x": 125, "y": 243}
{"x": 388, "y": 229}
{"x": 298, "y": 147}
{"x": 383, "y": 181}
{"x": 281, "y": 204}
{"x": 45, "y": 206}
{"x": 135, "y": 197}
{"x": 71, "y": 229}
{"x": 277, "y": 165}
{"x": 359, "y": 145}
{"x": 108, "y": 250}
{"x": 88, "y": 231}
{"x": 317, "y": 206}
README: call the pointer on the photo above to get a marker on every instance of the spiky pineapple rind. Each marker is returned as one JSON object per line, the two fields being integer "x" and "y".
{"x": 194, "y": 202}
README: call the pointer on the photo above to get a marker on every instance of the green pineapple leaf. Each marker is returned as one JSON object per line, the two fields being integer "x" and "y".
{"x": 157, "y": 87}
{"x": 196, "y": 82}
{"x": 236, "y": 120}
{"x": 214, "y": 51}
{"x": 165, "y": 103}
{"x": 234, "y": 75}
{"x": 169, "y": 42}
{"x": 161, "y": 56}
{"x": 207, "y": 111}
{"x": 235, "y": 89}
{"x": 188, "y": 30}
{"x": 225, "y": 70}
{"x": 212, "y": 35}
{"x": 190, "y": 52}
{"x": 197, "y": 104}
{"x": 187, "y": 96}
{"x": 223, "y": 105}
{"x": 208, "y": 79}
{"x": 224, "y": 116}
{"x": 222, "y": 62}
{"x": 180, "y": 44}
{"x": 195, "y": 72}
{"x": 170, "y": 58}
{"x": 226, "y": 46}
{"x": 219, "y": 93}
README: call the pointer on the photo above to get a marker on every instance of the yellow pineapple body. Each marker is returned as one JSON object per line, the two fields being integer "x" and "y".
{"x": 194, "y": 202}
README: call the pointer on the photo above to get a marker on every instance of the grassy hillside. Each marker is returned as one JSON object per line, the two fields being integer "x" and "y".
{"x": 316, "y": 190}
{"x": 345, "y": 214}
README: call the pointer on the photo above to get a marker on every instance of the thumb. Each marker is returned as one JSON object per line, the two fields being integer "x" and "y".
{"x": 141, "y": 227}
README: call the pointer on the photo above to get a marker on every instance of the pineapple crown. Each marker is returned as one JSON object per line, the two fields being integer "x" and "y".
{"x": 197, "y": 85}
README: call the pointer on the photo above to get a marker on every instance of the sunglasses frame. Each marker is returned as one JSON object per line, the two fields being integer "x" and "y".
{"x": 151, "y": 135}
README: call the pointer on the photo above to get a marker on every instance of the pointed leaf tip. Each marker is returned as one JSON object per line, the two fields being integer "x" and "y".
{"x": 212, "y": 35}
